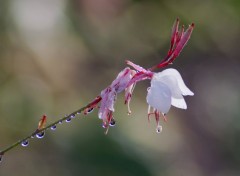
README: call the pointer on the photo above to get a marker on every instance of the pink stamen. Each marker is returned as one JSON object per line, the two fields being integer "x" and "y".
{"x": 164, "y": 117}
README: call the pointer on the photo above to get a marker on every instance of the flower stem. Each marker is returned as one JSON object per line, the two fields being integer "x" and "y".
{"x": 10, "y": 147}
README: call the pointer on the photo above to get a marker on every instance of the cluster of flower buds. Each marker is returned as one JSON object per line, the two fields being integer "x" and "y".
{"x": 167, "y": 87}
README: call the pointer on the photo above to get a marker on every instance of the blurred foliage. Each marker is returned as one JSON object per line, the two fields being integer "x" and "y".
{"x": 56, "y": 56}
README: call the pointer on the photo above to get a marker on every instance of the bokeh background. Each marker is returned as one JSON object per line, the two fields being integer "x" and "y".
{"x": 57, "y": 55}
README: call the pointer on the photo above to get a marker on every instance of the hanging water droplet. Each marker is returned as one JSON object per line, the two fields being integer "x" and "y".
{"x": 159, "y": 129}
{"x": 68, "y": 119}
{"x": 72, "y": 116}
{"x": 78, "y": 113}
{"x": 32, "y": 136}
{"x": 1, "y": 158}
{"x": 40, "y": 134}
{"x": 60, "y": 122}
{"x": 53, "y": 127}
{"x": 25, "y": 143}
{"x": 89, "y": 110}
{"x": 104, "y": 125}
{"x": 112, "y": 122}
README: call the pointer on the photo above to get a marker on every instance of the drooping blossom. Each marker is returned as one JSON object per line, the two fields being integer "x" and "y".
{"x": 167, "y": 87}
{"x": 172, "y": 88}
{"x": 109, "y": 96}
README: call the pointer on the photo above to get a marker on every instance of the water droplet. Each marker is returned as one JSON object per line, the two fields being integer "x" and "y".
{"x": 40, "y": 134}
{"x": 159, "y": 129}
{"x": 78, "y": 113}
{"x": 72, "y": 116}
{"x": 60, "y": 122}
{"x": 53, "y": 127}
{"x": 112, "y": 122}
{"x": 104, "y": 125}
{"x": 32, "y": 136}
{"x": 1, "y": 158}
{"x": 25, "y": 143}
{"x": 68, "y": 119}
{"x": 90, "y": 110}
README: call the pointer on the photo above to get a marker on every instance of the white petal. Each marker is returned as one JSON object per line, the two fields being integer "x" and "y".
{"x": 159, "y": 97}
{"x": 179, "y": 103}
{"x": 181, "y": 84}
{"x": 173, "y": 79}
{"x": 170, "y": 81}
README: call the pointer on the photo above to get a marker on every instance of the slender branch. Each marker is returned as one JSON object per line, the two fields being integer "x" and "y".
{"x": 38, "y": 131}
{"x": 124, "y": 81}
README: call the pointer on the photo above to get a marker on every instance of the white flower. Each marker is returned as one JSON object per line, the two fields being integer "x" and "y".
{"x": 167, "y": 88}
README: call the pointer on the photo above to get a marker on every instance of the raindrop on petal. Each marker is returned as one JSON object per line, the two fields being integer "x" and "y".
{"x": 40, "y": 134}
{"x": 68, "y": 120}
{"x": 53, "y": 127}
{"x": 25, "y": 143}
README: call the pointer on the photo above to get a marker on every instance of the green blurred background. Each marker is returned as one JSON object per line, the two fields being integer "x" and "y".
{"x": 57, "y": 55}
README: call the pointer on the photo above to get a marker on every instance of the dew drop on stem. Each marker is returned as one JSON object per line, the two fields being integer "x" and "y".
{"x": 72, "y": 116}
{"x": 53, "y": 127}
{"x": 25, "y": 143}
{"x": 40, "y": 134}
{"x": 68, "y": 120}
{"x": 90, "y": 110}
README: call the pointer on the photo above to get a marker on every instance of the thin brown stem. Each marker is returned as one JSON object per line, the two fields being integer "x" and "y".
{"x": 73, "y": 114}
